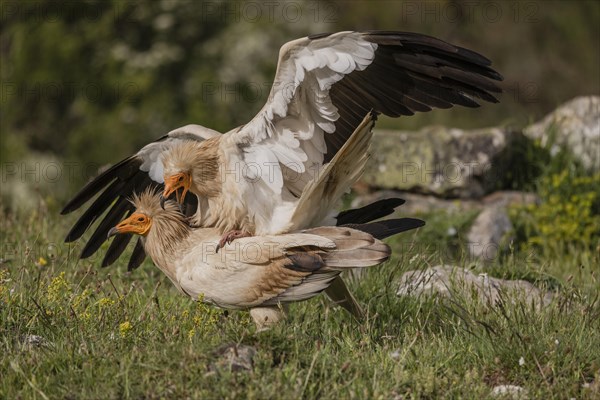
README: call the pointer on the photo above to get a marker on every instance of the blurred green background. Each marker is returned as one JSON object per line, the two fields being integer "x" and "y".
{"x": 91, "y": 82}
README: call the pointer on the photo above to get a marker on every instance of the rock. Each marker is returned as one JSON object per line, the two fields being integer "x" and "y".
{"x": 421, "y": 204}
{"x": 506, "y": 198}
{"x": 233, "y": 357}
{"x": 436, "y": 160}
{"x": 575, "y": 124}
{"x": 485, "y": 238}
{"x": 447, "y": 281}
{"x": 395, "y": 355}
{"x": 509, "y": 392}
{"x": 31, "y": 342}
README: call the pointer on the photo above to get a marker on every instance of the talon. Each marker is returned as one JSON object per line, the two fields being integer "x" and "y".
{"x": 230, "y": 236}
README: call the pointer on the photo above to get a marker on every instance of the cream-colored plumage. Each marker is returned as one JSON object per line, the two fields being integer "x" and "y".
{"x": 225, "y": 205}
{"x": 323, "y": 88}
{"x": 251, "y": 272}
{"x": 226, "y": 194}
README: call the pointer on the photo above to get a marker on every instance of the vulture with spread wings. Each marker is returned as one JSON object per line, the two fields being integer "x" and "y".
{"x": 251, "y": 179}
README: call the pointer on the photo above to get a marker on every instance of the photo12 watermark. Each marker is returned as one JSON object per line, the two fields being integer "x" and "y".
{"x": 428, "y": 11}
{"x": 50, "y": 172}
{"x": 270, "y": 11}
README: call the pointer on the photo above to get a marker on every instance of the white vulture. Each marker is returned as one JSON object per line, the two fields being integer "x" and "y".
{"x": 253, "y": 272}
{"x": 252, "y": 177}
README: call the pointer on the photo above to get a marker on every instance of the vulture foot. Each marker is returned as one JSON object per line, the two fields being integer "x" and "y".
{"x": 230, "y": 236}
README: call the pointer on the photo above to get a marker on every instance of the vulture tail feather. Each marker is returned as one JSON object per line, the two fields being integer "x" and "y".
{"x": 389, "y": 227}
{"x": 370, "y": 212}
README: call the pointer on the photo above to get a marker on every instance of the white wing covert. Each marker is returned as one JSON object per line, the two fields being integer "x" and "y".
{"x": 285, "y": 142}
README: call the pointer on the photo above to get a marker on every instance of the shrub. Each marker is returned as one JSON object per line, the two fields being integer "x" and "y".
{"x": 569, "y": 214}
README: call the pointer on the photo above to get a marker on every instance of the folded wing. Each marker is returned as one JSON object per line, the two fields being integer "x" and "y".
{"x": 267, "y": 270}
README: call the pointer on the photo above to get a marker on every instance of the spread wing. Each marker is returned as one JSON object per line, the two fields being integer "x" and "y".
{"x": 326, "y": 84}
{"x": 115, "y": 187}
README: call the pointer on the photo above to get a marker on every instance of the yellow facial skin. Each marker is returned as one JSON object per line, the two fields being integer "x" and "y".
{"x": 174, "y": 182}
{"x": 137, "y": 223}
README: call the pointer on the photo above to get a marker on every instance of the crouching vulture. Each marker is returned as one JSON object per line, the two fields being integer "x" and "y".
{"x": 260, "y": 272}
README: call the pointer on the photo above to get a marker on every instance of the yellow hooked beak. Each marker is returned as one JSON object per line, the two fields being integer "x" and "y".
{"x": 137, "y": 223}
{"x": 174, "y": 182}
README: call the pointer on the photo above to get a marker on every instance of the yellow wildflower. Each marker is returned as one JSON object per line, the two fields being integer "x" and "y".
{"x": 125, "y": 329}
{"x": 3, "y": 279}
{"x": 105, "y": 302}
{"x": 57, "y": 288}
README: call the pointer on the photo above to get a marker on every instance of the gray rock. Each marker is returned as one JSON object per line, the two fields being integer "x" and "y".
{"x": 234, "y": 357}
{"x": 448, "y": 281}
{"x": 436, "y": 160}
{"x": 575, "y": 124}
{"x": 396, "y": 354}
{"x": 509, "y": 392}
{"x": 485, "y": 238}
{"x": 32, "y": 342}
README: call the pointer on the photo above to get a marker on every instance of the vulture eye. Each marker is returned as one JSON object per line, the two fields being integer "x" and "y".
{"x": 140, "y": 219}
{"x": 180, "y": 178}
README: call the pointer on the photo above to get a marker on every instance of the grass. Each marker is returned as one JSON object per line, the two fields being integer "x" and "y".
{"x": 113, "y": 334}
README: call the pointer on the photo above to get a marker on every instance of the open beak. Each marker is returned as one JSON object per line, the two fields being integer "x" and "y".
{"x": 136, "y": 223}
{"x": 173, "y": 183}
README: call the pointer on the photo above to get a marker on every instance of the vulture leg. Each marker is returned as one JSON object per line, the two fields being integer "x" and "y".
{"x": 266, "y": 317}
{"x": 230, "y": 236}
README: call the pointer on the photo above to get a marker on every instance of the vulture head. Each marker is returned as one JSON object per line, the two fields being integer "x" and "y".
{"x": 149, "y": 212}
{"x": 192, "y": 166}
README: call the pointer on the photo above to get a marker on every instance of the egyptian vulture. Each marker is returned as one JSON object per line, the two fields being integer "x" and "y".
{"x": 253, "y": 272}
{"x": 324, "y": 87}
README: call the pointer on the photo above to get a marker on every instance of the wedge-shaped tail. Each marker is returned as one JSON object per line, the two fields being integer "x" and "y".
{"x": 354, "y": 247}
